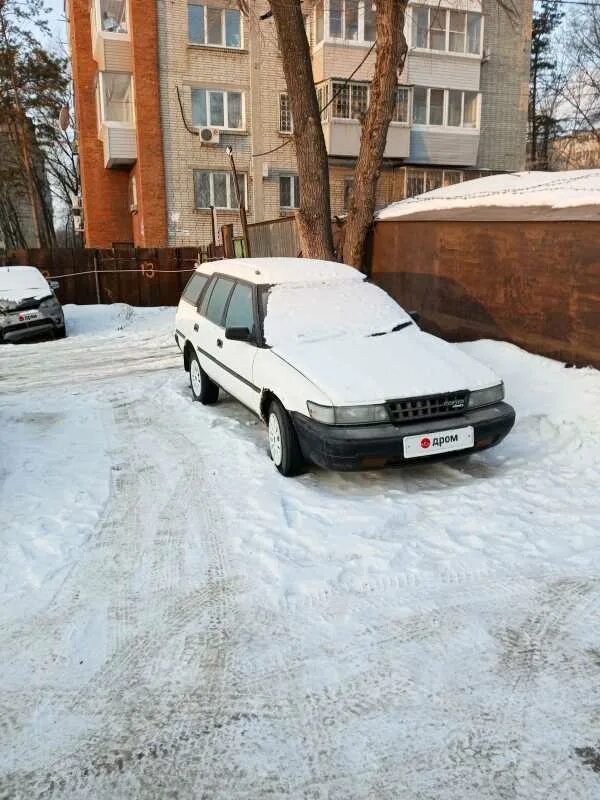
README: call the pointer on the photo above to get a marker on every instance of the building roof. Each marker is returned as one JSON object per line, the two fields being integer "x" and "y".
{"x": 521, "y": 196}
{"x": 281, "y": 270}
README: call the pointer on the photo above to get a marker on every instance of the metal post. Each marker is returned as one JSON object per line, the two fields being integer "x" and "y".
{"x": 96, "y": 276}
{"x": 241, "y": 205}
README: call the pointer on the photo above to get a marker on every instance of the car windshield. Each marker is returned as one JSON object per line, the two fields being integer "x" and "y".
{"x": 21, "y": 283}
{"x": 342, "y": 308}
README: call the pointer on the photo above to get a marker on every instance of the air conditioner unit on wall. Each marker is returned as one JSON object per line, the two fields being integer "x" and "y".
{"x": 210, "y": 135}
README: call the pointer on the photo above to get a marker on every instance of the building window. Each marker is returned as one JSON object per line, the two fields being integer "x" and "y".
{"x": 114, "y": 98}
{"x": 319, "y": 20}
{"x": 220, "y": 27}
{"x": 322, "y": 95}
{"x": 351, "y": 100}
{"x": 351, "y": 20}
{"x": 402, "y": 107}
{"x": 452, "y": 177}
{"x": 445, "y": 107}
{"x": 286, "y": 124}
{"x": 217, "y": 109}
{"x": 433, "y": 180}
{"x": 217, "y": 189}
{"x": 110, "y": 16}
{"x": 289, "y": 191}
{"x": 435, "y": 28}
{"x": 348, "y": 189}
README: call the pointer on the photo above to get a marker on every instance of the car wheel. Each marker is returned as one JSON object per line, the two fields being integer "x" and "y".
{"x": 203, "y": 389}
{"x": 283, "y": 442}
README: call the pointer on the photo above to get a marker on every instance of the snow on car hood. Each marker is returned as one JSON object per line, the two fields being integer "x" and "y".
{"x": 326, "y": 332}
{"x": 22, "y": 283}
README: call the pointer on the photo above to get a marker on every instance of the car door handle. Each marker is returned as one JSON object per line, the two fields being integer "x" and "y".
{"x": 196, "y": 327}
{"x": 219, "y": 342}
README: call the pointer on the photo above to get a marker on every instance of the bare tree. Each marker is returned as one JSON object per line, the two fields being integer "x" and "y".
{"x": 389, "y": 62}
{"x": 314, "y": 214}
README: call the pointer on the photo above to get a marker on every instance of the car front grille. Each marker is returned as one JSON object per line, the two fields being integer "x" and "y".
{"x": 23, "y": 326}
{"x": 412, "y": 409}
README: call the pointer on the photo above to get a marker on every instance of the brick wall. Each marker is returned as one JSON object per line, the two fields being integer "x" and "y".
{"x": 505, "y": 87}
{"x": 105, "y": 192}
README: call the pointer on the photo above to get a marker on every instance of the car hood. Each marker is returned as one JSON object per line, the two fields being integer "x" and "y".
{"x": 373, "y": 369}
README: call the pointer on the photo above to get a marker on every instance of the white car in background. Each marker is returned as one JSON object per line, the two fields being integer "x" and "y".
{"x": 341, "y": 374}
{"x": 28, "y": 305}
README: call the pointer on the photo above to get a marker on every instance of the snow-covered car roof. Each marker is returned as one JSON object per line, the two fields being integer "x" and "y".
{"x": 573, "y": 194}
{"x": 281, "y": 270}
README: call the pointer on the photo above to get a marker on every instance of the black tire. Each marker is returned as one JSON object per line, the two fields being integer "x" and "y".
{"x": 287, "y": 457}
{"x": 60, "y": 332}
{"x": 204, "y": 390}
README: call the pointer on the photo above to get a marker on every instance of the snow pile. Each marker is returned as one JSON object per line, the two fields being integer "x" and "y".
{"x": 314, "y": 312}
{"x": 552, "y": 189}
{"x": 117, "y": 318}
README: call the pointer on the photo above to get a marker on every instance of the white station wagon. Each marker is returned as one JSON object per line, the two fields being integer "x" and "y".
{"x": 340, "y": 373}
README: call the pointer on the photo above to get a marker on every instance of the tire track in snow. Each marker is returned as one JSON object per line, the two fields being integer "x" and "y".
{"x": 122, "y": 537}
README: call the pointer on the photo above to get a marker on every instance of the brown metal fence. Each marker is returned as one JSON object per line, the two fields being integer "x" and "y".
{"x": 140, "y": 277}
{"x": 533, "y": 283}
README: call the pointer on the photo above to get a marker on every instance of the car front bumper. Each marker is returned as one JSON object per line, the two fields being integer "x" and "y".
{"x": 13, "y": 330}
{"x": 374, "y": 446}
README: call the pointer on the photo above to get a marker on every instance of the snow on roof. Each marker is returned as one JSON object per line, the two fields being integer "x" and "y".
{"x": 281, "y": 270}
{"x": 517, "y": 190}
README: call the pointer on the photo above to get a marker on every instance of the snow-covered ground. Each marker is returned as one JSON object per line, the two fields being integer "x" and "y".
{"x": 178, "y": 620}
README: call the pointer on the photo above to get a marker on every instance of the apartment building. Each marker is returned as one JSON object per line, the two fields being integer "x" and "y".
{"x": 165, "y": 89}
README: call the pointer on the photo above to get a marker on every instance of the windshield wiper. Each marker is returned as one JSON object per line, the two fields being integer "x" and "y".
{"x": 396, "y": 328}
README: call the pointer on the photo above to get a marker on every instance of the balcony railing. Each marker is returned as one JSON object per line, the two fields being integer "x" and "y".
{"x": 111, "y": 43}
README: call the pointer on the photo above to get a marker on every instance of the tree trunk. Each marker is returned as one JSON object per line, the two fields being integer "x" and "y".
{"x": 391, "y": 53}
{"x": 314, "y": 215}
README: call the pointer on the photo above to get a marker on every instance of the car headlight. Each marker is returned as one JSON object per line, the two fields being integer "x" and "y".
{"x": 50, "y": 305}
{"x": 485, "y": 397}
{"x": 348, "y": 415}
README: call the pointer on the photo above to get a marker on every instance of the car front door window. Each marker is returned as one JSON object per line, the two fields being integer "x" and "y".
{"x": 240, "y": 313}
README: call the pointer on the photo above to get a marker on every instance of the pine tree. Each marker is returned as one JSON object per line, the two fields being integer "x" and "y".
{"x": 32, "y": 83}
{"x": 546, "y": 19}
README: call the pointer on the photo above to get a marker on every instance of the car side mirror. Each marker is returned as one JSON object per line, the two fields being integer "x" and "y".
{"x": 54, "y": 285}
{"x": 415, "y": 316}
{"x": 239, "y": 334}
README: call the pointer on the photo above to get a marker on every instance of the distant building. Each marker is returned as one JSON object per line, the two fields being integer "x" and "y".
{"x": 575, "y": 151}
{"x": 17, "y": 229}
{"x": 146, "y": 73}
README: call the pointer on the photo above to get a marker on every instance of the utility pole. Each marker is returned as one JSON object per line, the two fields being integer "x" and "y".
{"x": 241, "y": 205}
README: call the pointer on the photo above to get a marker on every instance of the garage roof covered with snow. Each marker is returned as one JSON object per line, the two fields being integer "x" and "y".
{"x": 523, "y": 196}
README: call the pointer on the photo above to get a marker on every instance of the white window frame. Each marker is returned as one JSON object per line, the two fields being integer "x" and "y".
{"x": 101, "y": 105}
{"x": 224, "y": 93}
{"x": 409, "y": 91}
{"x": 445, "y": 126}
{"x": 96, "y": 17}
{"x": 223, "y": 45}
{"x": 446, "y": 51}
{"x": 229, "y": 189}
{"x": 350, "y": 85}
{"x": 360, "y": 41}
{"x": 290, "y": 131}
{"x": 295, "y": 200}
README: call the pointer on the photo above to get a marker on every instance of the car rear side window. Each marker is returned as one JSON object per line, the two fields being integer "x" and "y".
{"x": 240, "y": 313}
{"x": 218, "y": 300}
{"x": 194, "y": 287}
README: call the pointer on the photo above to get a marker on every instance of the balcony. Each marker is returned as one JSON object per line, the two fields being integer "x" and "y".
{"x": 341, "y": 119}
{"x": 116, "y": 122}
{"x": 111, "y": 43}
